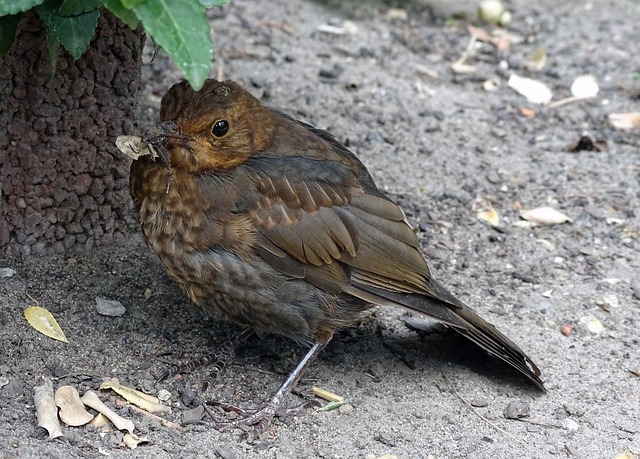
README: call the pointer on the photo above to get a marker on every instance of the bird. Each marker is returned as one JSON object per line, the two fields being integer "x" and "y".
{"x": 273, "y": 224}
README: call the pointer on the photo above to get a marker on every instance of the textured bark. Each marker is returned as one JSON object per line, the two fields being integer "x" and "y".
{"x": 63, "y": 182}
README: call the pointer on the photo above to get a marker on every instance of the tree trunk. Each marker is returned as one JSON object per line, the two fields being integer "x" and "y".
{"x": 63, "y": 183}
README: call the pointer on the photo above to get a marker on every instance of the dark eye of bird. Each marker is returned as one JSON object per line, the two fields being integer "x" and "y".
{"x": 220, "y": 128}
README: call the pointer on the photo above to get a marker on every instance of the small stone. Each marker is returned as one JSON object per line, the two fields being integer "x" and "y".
{"x": 109, "y": 307}
{"x": 567, "y": 329}
{"x": 225, "y": 452}
{"x": 164, "y": 395}
{"x": 516, "y": 409}
{"x": 479, "y": 402}
{"x": 592, "y": 324}
{"x": 570, "y": 424}
{"x": 345, "y": 409}
{"x": 7, "y": 272}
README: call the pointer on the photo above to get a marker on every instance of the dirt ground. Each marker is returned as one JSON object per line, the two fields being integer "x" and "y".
{"x": 445, "y": 149}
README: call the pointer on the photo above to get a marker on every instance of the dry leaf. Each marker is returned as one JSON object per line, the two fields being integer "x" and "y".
{"x": 132, "y": 441}
{"x": 46, "y": 409}
{"x": 72, "y": 411}
{"x": 626, "y": 121}
{"x": 535, "y": 91}
{"x": 489, "y": 216}
{"x": 592, "y": 324}
{"x": 544, "y": 216}
{"x": 92, "y": 401}
{"x": 537, "y": 59}
{"x": 145, "y": 401}
{"x": 100, "y": 422}
{"x": 585, "y": 86}
{"x": 326, "y": 395}
{"x": 42, "y": 320}
{"x": 134, "y": 147}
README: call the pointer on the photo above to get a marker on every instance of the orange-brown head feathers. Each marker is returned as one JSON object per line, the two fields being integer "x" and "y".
{"x": 216, "y": 128}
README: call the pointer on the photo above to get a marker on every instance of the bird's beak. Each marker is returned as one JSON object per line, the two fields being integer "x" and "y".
{"x": 163, "y": 137}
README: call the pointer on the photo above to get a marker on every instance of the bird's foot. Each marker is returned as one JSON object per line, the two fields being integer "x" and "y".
{"x": 255, "y": 421}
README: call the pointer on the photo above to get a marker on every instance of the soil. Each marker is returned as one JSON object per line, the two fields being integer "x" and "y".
{"x": 444, "y": 148}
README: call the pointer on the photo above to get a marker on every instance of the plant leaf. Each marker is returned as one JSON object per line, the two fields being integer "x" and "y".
{"x": 8, "y": 25}
{"x": 121, "y": 12}
{"x": 184, "y": 33}
{"x": 42, "y": 320}
{"x": 75, "y": 7}
{"x": 74, "y": 32}
{"x": 131, "y": 4}
{"x": 17, "y": 6}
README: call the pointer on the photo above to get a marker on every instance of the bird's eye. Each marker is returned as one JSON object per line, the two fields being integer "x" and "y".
{"x": 220, "y": 128}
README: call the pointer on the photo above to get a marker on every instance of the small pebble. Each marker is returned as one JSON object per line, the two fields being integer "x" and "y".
{"x": 164, "y": 395}
{"x": 225, "y": 452}
{"x": 516, "y": 409}
{"x": 567, "y": 329}
{"x": 7, "y": 272}
{"x": 570, "y": 424}
{"x": 345, "y": 409}
{"x": 109, "y": 307}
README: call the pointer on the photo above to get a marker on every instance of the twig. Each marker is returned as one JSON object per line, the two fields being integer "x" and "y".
{"x": 521, "y": 441}
{"x": 137, "y": 409}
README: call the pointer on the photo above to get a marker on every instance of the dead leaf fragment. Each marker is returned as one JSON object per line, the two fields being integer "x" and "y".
{"x": 72, "y": 411}
{"x": 585, "y": 86}
{"x": 537, "y": 59}
{"x": 626, "y": 121}
{"x": 46, "y": 409}
{"x": 535, "y": 91}
{"x": 326, "y": 395}
{"x": 489, "y": 216}
{"x": 132, "y": 441}
{"x": 42, "y": 320}
{"x": 92, "y": 401}
{"x": 544, "y": 216}
{"x": 145, "y": 401}
{"x": 134, "y": 147}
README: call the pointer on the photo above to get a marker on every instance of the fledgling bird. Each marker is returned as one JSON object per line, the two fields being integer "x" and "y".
{"x": 270, "y": 223}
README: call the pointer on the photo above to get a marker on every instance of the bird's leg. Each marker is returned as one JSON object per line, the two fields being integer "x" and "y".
{"x": 218, "y": 359}
{"x": 261, "y": 418}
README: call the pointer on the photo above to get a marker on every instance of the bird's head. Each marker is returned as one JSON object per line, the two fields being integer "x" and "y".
{"x": 216, "y": 128}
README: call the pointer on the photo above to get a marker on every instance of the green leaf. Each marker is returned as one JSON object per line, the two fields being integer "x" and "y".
{"x": 121, "y": 12}
{"x": 17, "y": 6}
{"x": 73, "y": 7}
{"x": 210, "y": 3}
{"x": 131, "y": 4}
{"x": 74, "y": 32}
{"x": 184, "y": 33}
{"x": 8, "y": 25}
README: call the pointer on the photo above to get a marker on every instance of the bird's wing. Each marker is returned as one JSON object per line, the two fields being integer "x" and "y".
{"x": 315, "y": 218}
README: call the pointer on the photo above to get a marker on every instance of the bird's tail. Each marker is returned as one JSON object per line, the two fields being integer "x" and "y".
{"x": 445, "y": 308}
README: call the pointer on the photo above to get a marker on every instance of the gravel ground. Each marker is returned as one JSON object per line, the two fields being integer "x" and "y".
{"x": 445, "y": 149}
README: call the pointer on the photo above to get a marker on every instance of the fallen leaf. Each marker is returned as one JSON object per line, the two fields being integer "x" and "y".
{"x": 326, "y": 395}
{"x": 489, "y": 216}
{"x": 585, "y": 86}
{"x": 72, "y": 411}
{"x": 132, "y": 441}
{"x": 625, "y": 121}
{"x": 537, "y": 59}
{"x": 134, "y": 147}
{"x": 544, "y": 216}
{"x": 46, "y": 409}
{"x": 145, "y": 401}
{"x": 592, "y": 324}
{"x": 92, "y": 401}
{"x": 42, "y": 320}
{"x": 535, "y": 91}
